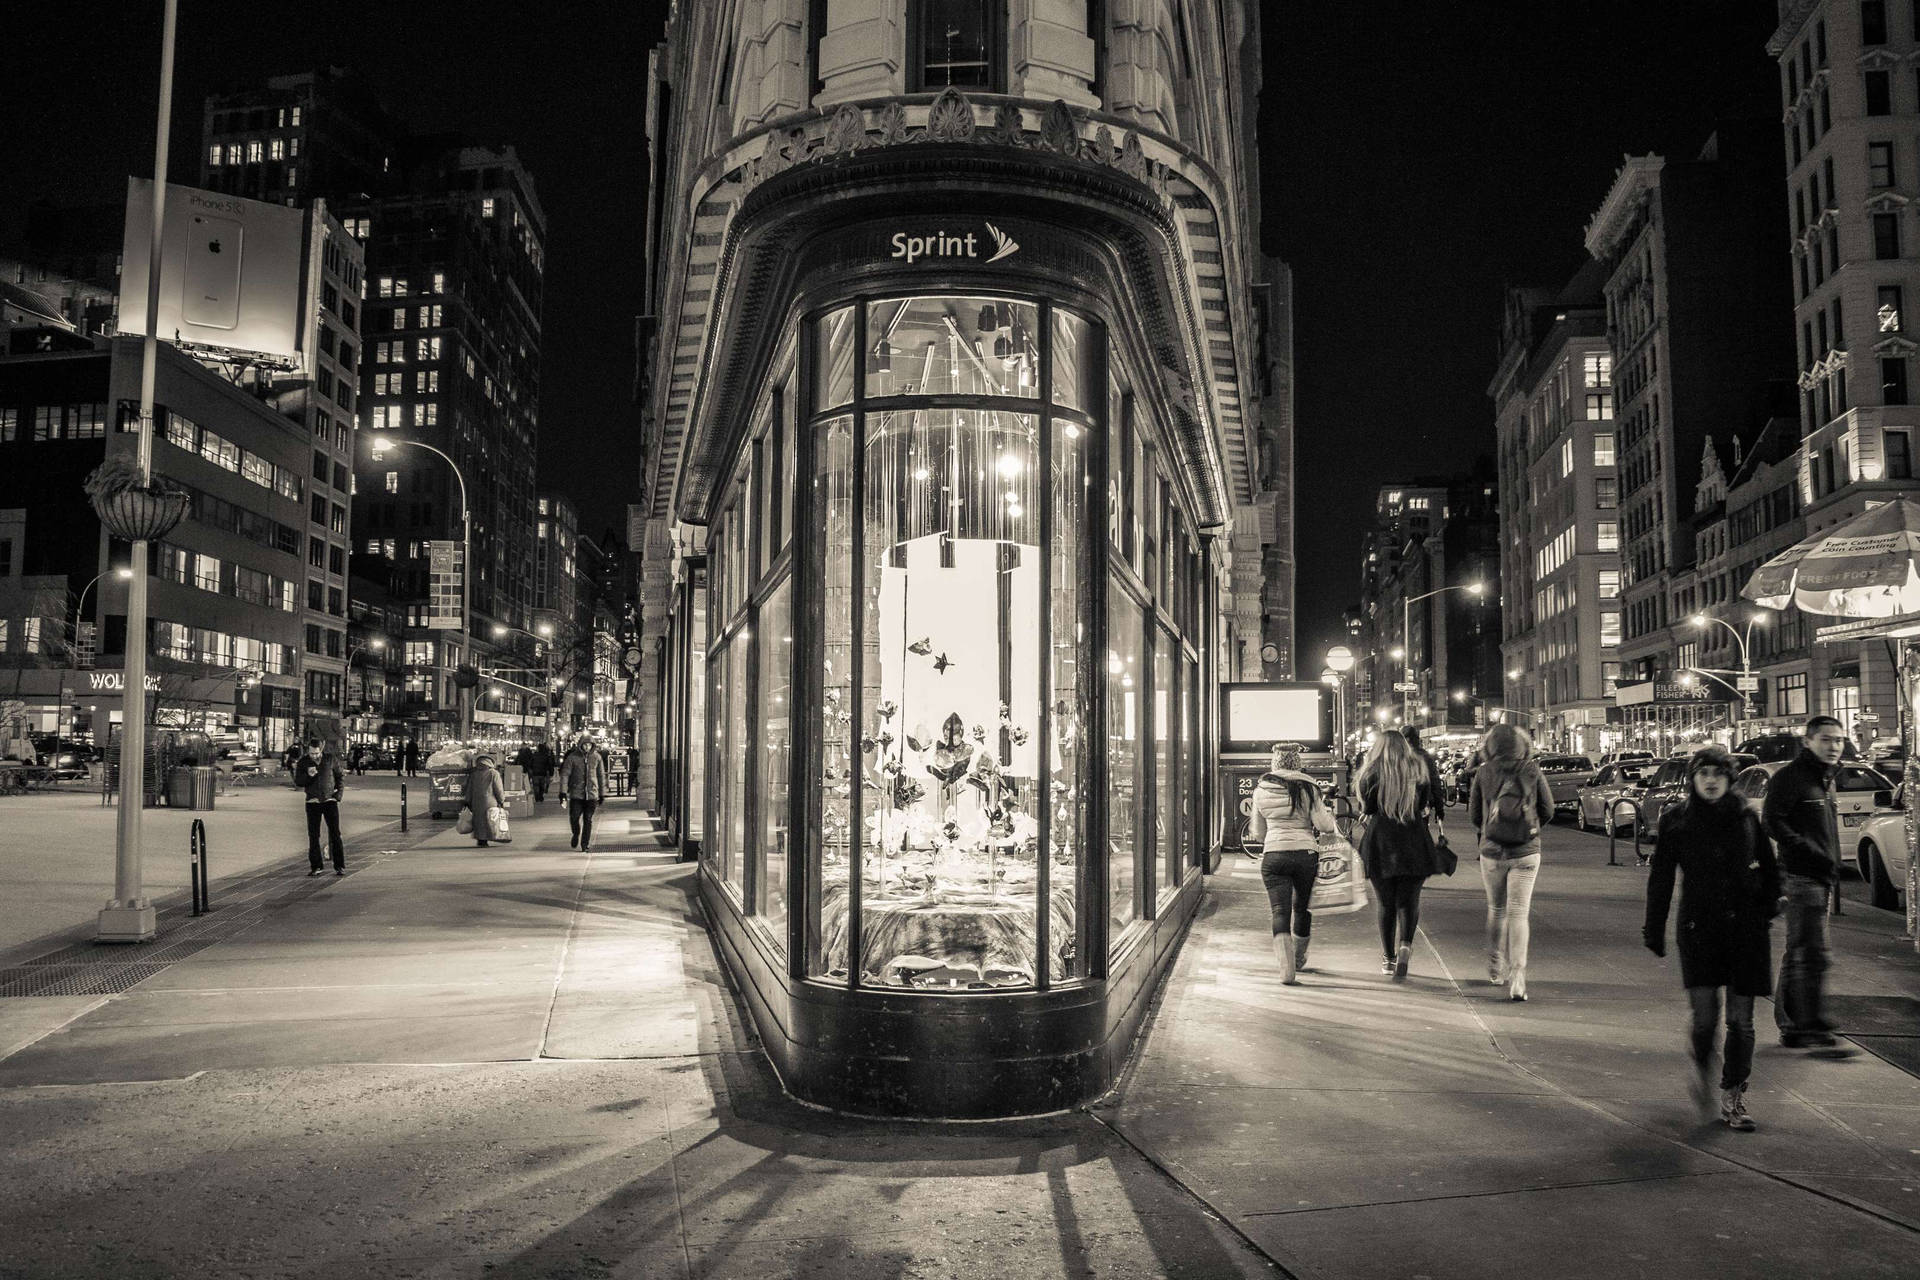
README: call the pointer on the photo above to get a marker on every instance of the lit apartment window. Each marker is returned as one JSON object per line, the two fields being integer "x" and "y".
{"x": 400, "y": 287}
{"x": 384, "y": 287}
{"x": 955, "y": 42}
{"x": 426, "y": 415}
{"x": 1606, "y": 535}
{"x": 1609, "y": 584}
{"x": 276, "y": 149}
{"x": 486, "y": 206}
{"x": 256, "y": 152}
{"x": 295, "y": 119}
{"x": 236, "y": 154}
{"x": 293, "y": 175}
{"x": 426, "y": 381}
{"x": 293, "y": 147}
{"x": 1888, "y": 313}
{"x": 1599, "y": 406}
{"x": 1603, "y": 449}
{"x": 1606, "y": 493}
{"x": 214, "y": 155}
{"x": 393, "y": 482}
{"x": 439, "y": 282}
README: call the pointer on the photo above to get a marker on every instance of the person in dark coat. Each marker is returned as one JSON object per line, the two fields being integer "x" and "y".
{"x": 1437, "y": 791}
{"x": 583, "y": 777}
{"x": 542, "y": 771}
{"x": 318, "y": 774}
{"x": 1799, "y": 814}
{"x": 1729, "y": 894}
{"x": 412, "y": 754}
{"x": 1397, "y": 851}
{"x": 484, "y": 795}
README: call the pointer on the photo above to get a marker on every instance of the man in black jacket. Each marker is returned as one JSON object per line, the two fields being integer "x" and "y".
{"x": 318, "y": 774}
{"x": 1799, "y": 815}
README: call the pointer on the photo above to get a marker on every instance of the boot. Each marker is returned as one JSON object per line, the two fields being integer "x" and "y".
{"x": 1300, "y": 954}
{"x": 1283, "y": 952}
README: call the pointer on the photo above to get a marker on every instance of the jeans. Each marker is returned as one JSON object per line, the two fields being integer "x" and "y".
{"x": 1800, "y": 995}
{"x": 580, "y": 818}
{"x": 1509, "y": 886}
{"x": 1396, "y": 906}
{"x": 1289, "y": 874}
{"x": 1706, "y": 1011}
{"x": 329, "y": 810}
{"x": 539, "y": 787}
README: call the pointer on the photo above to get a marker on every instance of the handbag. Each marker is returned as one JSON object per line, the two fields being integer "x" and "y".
{"x": 464, "y": 825}
{"x": 1443, "y": 855}
{"x": 497, "y": 819}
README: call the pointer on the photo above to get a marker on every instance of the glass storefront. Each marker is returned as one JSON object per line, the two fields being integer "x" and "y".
{"x": 945, "y": 806}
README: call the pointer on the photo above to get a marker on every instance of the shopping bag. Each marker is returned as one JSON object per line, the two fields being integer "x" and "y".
{"x": 1340, "y": 886}
{"x": 497, "y": 819}
{"x": 464, "y": 824}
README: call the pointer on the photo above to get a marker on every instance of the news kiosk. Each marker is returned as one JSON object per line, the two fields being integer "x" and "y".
{"x": 1253, "y": 717}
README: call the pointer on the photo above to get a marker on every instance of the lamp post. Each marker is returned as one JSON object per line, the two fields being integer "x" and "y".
{"x": 73, "y": 639}
{"x": 380, "y": 446}
{"x": 376, "y": 643}
{"x": 1340, "y": 661}
{"x": 129, "y": 915}
{"x": 1748, "y": 685}
{"x": 1406, "y": 639}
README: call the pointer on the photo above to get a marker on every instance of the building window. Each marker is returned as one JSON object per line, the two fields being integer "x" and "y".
{"x": 1886, "y": 236}
{"x": 1879, "y": 165}
{"x": 1873, "y": 22}
{"x": 1599, "y": 406}
{"x": 961, "y": 43}
{"x": 1610, "y": 629}
{"x": 1889, "y": 310}
{"x": 1899, "y": 450}
{"x": 393, "y": 482}
{"x": 255, "y": 152}
{"x": 1609, "y": 584}
{"x": 1606, "y": 535}
{"x": 1893, "y": 380}
{"x": 1879, "y": 93}
{"x": 214, "y": 155}
{"x": 1606, "y": 493}
{"x": 1603, "y": 455}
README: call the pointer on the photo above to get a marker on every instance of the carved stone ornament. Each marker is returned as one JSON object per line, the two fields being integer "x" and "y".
{"x": 848, "y": 132}
{"x": 1133, "y": 161}
{"x": 1103, "y": 149}
{"x": 950, "y": 119}
{"x": 893, "y": 125}
{"x": 1007, "y": 126}
{"x": 1059, "y": 130}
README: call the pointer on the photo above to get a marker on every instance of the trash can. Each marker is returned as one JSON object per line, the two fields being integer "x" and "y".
{"x": 191, "y": 786}
{"x": 446, "y": 791}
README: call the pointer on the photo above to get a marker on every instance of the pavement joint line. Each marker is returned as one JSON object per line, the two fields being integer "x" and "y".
{"x": 566, "y": 950}
{"x": 37, "y": 1037}
{"x": 1490, "y": 1194}
{"x": 1586, "y": 1104}
{"x": 1839, "y": 1124}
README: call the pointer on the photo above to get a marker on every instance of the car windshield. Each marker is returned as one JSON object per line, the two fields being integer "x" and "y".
{"x": 1858, "y": 778}
{"x": 1635, "y": 772}
{"x": 1670, "y": 773}
{"x": 1565, "y": 764}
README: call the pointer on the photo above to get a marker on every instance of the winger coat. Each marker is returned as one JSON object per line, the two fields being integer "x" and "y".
{"x": 484, "y": 793}
{"x": 1729, "y": 894}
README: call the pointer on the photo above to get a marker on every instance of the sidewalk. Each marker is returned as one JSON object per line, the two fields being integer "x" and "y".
{"x": 523, "y": 1061}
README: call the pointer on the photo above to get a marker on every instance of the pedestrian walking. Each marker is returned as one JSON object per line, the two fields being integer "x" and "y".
{"x": 1798, "y": 813}
{"x": 1729, "y": 894}
{"x": 1438, "y": 789}
{"x": 1283, "y": 832}
{"x": 541, "y": 772}
{"x": 399, "y": 761}
{"x": 317, "y": 773}
{"x": 485, "y": 794}
{"x": 358, "y": 756}
{"x": 1397, "y": 796}
{"x": 412, "y": 755}
{"x": 1509, "y": 803}
{"x": 583, "y": 778}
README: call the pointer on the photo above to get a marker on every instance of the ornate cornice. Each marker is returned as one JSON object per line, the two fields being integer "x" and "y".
{"x": 1633, "y": 184}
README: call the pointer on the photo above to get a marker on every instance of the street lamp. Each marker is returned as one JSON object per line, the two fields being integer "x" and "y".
{"x": 73, "y": 639}
{"x": 1748, "y": 684}
{"x": 378, "y": 644}
{"x": 381, "y": 444}
{"x": 1340, "y": 661}
{"x": 1473, "y": 589}
{"x": 542, "y": 637}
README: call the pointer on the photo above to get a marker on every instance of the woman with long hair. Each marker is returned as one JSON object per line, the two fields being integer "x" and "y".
{"x": 1396, "y": 796}
{"x": 1729, "y": 893}
{"x": 1508, "y": 805}
{"x": 1287, "y": 820}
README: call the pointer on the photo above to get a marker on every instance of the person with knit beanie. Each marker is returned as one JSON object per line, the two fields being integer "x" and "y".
{"x": 1729, "y": 894}
{"x": 1287, "y": 819}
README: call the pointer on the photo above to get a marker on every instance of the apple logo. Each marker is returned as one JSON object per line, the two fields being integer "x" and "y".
{"x": 213, "y": 246}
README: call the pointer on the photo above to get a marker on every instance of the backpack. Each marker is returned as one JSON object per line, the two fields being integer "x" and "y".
{"x": 1511, "y": 821}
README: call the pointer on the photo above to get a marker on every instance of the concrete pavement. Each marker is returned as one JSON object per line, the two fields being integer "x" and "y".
{"x": 523, "y": 1061}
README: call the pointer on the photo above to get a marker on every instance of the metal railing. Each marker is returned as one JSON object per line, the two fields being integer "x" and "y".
{"x": 1613, "y": 829}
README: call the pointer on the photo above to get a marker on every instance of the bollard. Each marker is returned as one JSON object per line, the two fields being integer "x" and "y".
{"x": 197, "y": 857}
{"x": 1613, "y": 829}
{"x": 403, "y": 807}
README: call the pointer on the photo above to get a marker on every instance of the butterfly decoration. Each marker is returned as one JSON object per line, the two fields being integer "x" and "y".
{"x": 888, "y": 710}
{"x": 941, "y": 664}
{"x": 1006, "y": 714}
{"x": 923, "y": 646}
{"x": 1020, "y": 737}
{"x": 918, "y": 739}
{"x": 885, "y": 740}
{"x": 951, "y": 830}
{"x": 906, "y": 790}
{"x": 951, "y": 755}
{"x": 866, "y": 746}
{"x": 978, "y": 733}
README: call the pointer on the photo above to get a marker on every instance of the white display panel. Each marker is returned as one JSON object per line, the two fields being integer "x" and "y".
{"x": 1269, "y": 715}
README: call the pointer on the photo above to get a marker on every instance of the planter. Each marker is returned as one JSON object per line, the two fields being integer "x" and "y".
{"x": 138, "y": 515}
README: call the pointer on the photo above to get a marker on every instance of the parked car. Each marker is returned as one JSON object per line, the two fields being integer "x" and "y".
{"x": 1880, "y": 854}
{"x": 1669, "y": 785}
{"x": 1565, "y": 775}
{"x": 65, "y": 757}
{"x": 1854, "y": 790}
{"x": 1598, "y": 799}
{"x": 1620, "y": 757}
{"x": 1778, "y": 748}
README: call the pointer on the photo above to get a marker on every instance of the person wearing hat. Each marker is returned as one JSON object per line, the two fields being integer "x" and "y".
{"x": 1287, "y": 819}
{"x": 1729, "y": 894}
{"x": 583, "y": 779}
{"x": 484, "y": 795}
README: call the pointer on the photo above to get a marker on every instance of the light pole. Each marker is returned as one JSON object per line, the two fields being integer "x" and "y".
{"x": 73, "y": 640}
{"x": 380, "y": 446}
{"x": 1340, "y": 662}
{"x": 1406, "y": 639}
{"x": 376, "y": 643}
{"x": 1748, "y": 685}
{"x": 129, "y": 915}
{"x": 544, "y": 640}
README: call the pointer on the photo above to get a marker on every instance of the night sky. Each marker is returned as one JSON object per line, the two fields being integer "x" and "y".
{"x": 1415, "y": 164}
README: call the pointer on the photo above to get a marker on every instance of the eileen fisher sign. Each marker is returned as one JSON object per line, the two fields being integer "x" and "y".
{"x": 941, "y": 244}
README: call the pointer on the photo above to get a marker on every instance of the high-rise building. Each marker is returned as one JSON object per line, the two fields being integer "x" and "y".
{"x": 1849, "y": 103}
{"x": 314, "y": 135}
{"x": 1697, "y": 322}
{"x": 954, "y": 427}
{"x": 1559, "y": 512}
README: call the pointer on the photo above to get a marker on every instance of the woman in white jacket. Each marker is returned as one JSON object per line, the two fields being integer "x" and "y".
{"x": 1287, "y": 821}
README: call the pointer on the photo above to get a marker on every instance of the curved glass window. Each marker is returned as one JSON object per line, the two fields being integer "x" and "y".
{"x": 948, "y": 517}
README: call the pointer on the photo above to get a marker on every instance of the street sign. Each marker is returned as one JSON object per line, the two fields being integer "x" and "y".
{"x": 1867, "y": 717}
{"x": 1404, "y": 686}
{"x": 1747, "y": 684}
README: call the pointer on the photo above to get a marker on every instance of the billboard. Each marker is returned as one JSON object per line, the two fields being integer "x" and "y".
{"x": 443, "y": 598}
{"x": 230, "y": 274}
{"x": 1255, "y": 716}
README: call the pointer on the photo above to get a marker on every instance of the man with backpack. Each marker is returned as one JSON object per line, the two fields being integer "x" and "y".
{"x": 1508, "y": 805}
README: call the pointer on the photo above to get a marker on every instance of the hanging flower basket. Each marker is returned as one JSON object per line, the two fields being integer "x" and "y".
{"x": 130, "y": 505}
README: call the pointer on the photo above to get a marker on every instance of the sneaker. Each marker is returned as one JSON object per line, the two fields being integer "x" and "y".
{"x": 314, "y": 872}
{"x": 1733, "y": 1109}
{"x": 1807, "y": 1040}
{"x": 1400, "y": 963}
{"x": 1386, "y": 966}
{"x": 1494, "y": 975}
{"x": 339, "y": 871}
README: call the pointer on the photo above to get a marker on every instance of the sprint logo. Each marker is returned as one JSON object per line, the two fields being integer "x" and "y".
{"x": 942, "y": 244}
